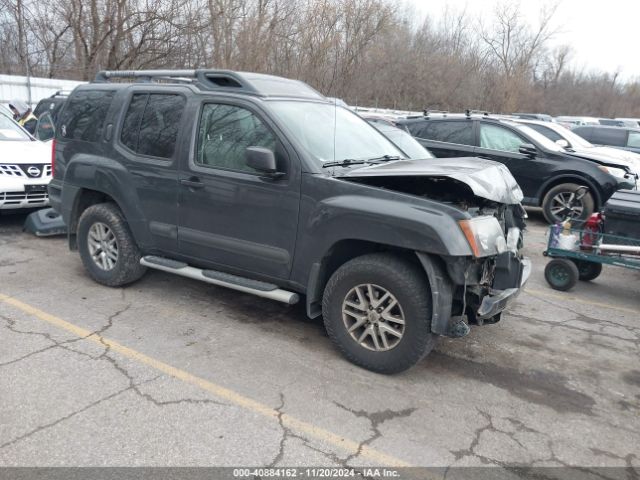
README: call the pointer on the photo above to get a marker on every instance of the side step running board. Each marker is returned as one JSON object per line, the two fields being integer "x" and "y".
{"x": 255, "y": 287}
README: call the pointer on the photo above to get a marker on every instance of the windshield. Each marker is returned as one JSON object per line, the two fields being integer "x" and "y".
{"x": 406, "y": 143}
{"x": 330, "y": 133}
{"x": 539, "y": 138}
{"x": 9, "y": 130}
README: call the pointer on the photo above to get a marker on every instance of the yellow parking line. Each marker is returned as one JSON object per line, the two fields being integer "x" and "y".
{"x": 379, "y": 458}
{"x": 540, "y": 293}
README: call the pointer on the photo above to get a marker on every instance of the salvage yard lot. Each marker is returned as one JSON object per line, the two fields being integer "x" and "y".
{"x": 173, "y": 372}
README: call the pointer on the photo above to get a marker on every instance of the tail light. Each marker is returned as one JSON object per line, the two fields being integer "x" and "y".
{"x": 53, "y": 157}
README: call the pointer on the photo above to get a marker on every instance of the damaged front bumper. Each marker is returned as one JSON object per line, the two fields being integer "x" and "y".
{"x": 496, "y": 301}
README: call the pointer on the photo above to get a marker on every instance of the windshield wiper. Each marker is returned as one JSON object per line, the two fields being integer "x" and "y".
{"x": 350, "y": 161}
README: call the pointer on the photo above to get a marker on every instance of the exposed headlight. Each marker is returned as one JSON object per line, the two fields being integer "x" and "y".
{"x": 484, "y": 235}
{"x": 616, "y": 172}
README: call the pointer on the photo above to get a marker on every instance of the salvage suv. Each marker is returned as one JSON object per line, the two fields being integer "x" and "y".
{"x": 260, "y": 184}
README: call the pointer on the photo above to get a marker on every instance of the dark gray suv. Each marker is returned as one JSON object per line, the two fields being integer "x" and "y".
{"x": 260, "y": 184}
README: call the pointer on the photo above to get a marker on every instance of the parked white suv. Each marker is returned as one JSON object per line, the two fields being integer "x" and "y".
{"x": 25, "y": 167}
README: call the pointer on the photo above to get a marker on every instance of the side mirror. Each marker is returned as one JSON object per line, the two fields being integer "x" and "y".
{"x": 45, "y": 129}
{"x": 563, "y": 143}
{"x": 263, "y": 160}
{"x": 528, "y": 149}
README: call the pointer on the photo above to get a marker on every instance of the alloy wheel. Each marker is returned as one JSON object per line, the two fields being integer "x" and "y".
{"x": 103, "y": 246}
{"x": 373, "y": 317}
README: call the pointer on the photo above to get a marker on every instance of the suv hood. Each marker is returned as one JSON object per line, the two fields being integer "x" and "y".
{"x": 487, "y": 179}
{"x": 609, "y": 155}
{"x": 17, "y": 152}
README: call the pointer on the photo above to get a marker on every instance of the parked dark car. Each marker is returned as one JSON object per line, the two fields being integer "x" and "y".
{"x": 260, "y": 184}
{"x": 618, "y": 137}
{"x": 549, "y": 176}
{"x": 53, "y": 105}
{"x": 543, "y": 117}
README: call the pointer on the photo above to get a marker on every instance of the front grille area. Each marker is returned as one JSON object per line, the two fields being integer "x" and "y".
{"x": 17, "y": 198}
{"x": 22, "y": 170}
{"x": 11, "y": 170}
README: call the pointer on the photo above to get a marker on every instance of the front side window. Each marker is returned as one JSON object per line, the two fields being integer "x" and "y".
{"x": 634, "y": 140}
{"x": 224, "y": 134}
{"x": 494, "y": 137}
{"x": 83, "y": 116}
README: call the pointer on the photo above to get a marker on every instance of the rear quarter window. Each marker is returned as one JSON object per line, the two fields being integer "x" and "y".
{"x": 84, "y": 114}
{"x": 152, "y": 122}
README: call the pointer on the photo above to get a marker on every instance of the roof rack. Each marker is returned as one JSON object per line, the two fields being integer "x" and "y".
{"x": 207, "y": 79}
{"x": 426, "y": 112}
{"x": 469, "y": 112}
{"x": 212, "y": 79}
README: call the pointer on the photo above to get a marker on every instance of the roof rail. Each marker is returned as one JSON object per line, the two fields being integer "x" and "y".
{"x": 469, "y": 112}
{"x": 207, "y": 79}
{"x": 426, "y": 112}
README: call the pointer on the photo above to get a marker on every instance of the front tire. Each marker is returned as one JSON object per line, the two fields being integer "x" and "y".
{"x": 377, "y": 310}
{"x": 566, "y": 202}
{"x": 107, "y": 248}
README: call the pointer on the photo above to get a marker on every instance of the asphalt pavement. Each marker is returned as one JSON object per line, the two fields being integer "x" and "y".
{"x": 173, "y": 372}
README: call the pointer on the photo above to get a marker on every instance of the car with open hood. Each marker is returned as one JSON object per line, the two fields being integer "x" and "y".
{"x": 25, "y": 167}
{"x": 260, "y": 184}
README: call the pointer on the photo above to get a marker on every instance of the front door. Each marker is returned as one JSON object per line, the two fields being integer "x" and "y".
{"x": 502, "y": 145}
{"x": 229, "y": 214}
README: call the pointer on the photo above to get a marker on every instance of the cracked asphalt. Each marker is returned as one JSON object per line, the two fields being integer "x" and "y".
{"x": 172, "y": 372}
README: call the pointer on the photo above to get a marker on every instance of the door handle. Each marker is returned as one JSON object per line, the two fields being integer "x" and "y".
{"x": 192, "y": 183}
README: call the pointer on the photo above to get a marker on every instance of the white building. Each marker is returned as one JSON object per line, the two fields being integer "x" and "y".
{"x": 32, "y": 89}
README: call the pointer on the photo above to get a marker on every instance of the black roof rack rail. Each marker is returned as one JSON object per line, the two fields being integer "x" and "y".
{"x": 468, "y": 112}
{"x": 426, "y": 112}
{"x": 207, "y": 79}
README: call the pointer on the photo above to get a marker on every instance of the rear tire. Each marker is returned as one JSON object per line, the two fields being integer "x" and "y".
{"x": 561, "y": 274}
{"x": 348, "y": 304}
{"x": 575, "y": 209}
{"x": 107, "y": 248}
{"x": 588, "y": 271}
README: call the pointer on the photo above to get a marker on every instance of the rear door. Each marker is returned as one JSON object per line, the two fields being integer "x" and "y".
{"x": 231, "y": 215}
{"x": 150, "y": 131}
{"x": 445, "y": 138}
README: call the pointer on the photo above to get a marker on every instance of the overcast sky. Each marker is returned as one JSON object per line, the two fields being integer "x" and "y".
{"x": 604, "y": 35}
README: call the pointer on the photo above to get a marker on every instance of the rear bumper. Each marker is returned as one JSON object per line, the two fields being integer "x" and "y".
{"x": 497, "y": 300}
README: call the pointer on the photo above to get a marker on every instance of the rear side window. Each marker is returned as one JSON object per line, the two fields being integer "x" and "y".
{"x": 84, "y": 115}
{"x": 609, "y": 136}
{"x": 151, "y": 124}
{"x": 445, "y": 131}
